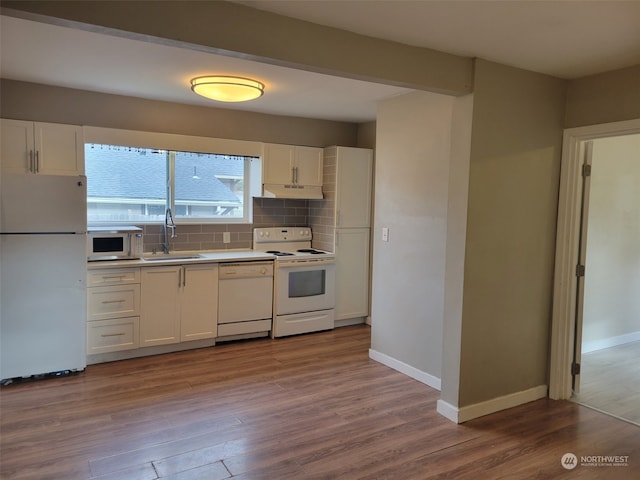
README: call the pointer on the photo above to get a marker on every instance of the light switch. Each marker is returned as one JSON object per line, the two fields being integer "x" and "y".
{"x": 226, "y": 237}
{"x": 385, "y": 234}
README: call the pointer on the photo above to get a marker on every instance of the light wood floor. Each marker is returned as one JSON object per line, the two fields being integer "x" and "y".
{"x": 610, "y": 381}
{"x": 302, "y": 408}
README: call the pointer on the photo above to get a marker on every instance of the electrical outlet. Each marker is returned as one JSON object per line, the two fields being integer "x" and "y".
{"x": 226, "y": 237}
{"x": 385, "y": 234}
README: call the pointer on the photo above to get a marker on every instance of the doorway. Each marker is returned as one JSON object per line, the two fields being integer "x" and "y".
{"x": 608, "y": 312}
{"x": 565, "y": 337}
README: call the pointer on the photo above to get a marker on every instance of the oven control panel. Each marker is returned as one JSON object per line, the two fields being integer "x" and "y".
{"x": 282, "y": 234}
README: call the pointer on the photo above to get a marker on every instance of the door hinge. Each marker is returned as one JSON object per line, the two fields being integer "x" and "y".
{"x": 579, "y": 270}
{"x": 586, "y": 170}
{"x": 575, "y": 369}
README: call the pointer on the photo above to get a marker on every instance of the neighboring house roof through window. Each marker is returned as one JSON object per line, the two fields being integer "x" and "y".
{"x": 145, "y": 178}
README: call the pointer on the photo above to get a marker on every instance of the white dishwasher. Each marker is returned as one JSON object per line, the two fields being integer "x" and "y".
{"x": 245, "y": 299}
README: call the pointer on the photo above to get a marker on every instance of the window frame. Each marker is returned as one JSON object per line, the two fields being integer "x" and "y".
{"x": 187, "y": 143}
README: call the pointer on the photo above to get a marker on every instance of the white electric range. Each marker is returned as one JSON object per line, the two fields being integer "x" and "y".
{"x": 304, "y": 284}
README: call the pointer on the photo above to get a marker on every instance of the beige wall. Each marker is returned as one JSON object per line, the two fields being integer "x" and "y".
{"x": 511, "y": 226}
{"x": 607, "y": 97}
{"x": 236, "y": 30}
{"x": 411, "y": 178}
{"x": 457, "y": 207}
{"x": 367, "y": 135}
{"x": 30, "y": 101}
{"x": 612, "y": 282}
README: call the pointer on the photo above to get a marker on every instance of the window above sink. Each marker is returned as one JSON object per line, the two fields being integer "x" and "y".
{"x": 134, "y": 177}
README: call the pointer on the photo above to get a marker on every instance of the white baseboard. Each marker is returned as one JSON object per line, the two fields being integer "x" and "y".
{"x": 595, "y": 345}
{"x": 408, "y": 370}
{"x": 447, "y": 410}
{"x": 464, "y": 414}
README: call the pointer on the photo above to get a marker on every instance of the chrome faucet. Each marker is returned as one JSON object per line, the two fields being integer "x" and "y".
{"x": 168, "y": 225}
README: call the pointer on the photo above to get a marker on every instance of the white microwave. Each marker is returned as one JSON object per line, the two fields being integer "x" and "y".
{"x": 114, "y": 243}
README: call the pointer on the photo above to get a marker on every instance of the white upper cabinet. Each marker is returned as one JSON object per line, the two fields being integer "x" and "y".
{"x": 354, "y": 178}
{"x": 292, "y": 165}
{"x": 42, "y": 148}
{"x": 308, "y": 164}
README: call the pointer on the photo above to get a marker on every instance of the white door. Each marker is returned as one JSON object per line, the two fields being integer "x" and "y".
{"x": 581, "y": 265}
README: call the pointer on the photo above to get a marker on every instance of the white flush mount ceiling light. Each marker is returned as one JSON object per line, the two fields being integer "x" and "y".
{"x": 227, "y": 88}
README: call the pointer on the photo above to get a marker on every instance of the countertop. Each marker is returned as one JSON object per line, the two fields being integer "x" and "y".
{"x": 217, "y": 256}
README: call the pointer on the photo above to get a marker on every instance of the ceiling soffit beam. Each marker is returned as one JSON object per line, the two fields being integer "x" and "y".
{"x": 239, "y": 31}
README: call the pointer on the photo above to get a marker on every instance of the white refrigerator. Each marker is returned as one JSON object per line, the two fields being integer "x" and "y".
{"x": 43, "y": 223}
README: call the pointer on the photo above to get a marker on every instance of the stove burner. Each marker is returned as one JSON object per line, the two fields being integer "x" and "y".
{"x": 312, "y": 251}
{"x": 278, "y": 253}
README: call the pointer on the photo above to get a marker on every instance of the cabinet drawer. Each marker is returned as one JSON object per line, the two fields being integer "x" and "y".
{"x": 113, "y": 302}
{"x": 112, "y": 276}
{"x": 112, "y": 335}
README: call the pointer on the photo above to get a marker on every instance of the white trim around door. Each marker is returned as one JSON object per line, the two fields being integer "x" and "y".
{"x": 567, "y": 246}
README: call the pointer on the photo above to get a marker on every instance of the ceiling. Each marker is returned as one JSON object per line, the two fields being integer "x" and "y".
{"x": 563, "y": 38}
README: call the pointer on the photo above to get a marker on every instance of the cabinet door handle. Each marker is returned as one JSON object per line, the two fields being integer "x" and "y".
{"x": 180, "y": 277}
{"x": 31, "y": 162}
{"x": 112, "y": 334}
{"x": 114, "y": 301}
{"x": 337, "y": 237}
{"x": 184, "y": 278}
{"x": 296, "y": 175}
{"x": 37, "y": 161}
{"x": 110, "y": 277}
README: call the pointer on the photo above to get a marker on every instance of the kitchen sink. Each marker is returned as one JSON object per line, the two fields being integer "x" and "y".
{"x": 170, "y": 256}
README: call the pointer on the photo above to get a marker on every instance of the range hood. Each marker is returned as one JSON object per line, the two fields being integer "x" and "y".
{"x": 310, "y": 192}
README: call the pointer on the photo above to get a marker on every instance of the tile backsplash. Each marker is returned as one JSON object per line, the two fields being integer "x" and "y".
{"x": 267, "y": 212}
{"x": 276, "y": 212}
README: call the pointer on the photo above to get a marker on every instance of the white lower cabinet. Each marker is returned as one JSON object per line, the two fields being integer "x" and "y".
{"x": 113, "y": 335}
{"x": 115, "y": 301}
{"x": 113, "y": 310}
{"x": 159, "y": 308}
{"x": 178, "y": 303}
{"x": 352, "y": 273}
{"x": 199, "y": 303}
